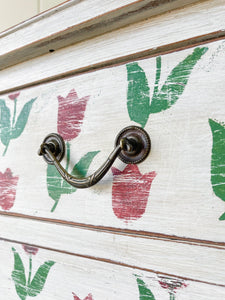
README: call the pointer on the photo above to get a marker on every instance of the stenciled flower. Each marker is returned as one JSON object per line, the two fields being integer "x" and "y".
{"x": 30, "y": 249}
{"x": 8, "y": 184}
{"x": 89, "y": 297}
{"x": 14, "y": 96}
{"x": 171, "y": 284}
{"x": 71, "y": 114}
{"x": 130, "y": 192}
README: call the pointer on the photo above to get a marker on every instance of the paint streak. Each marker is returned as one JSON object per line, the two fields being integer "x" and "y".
{"x": 8, "y": 184}
{"x": 218, "y": 160}
{"x": 130, "y": 192}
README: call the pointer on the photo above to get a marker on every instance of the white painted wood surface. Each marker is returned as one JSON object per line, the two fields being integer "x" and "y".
{"x": 96, "y": 251}
{"x": 181, "y": 197}
{"x": 74, "y": 21}
{"x": 100, "y": 279}
{"x": 147, "y": 37}
{"x": 146, "y": 253}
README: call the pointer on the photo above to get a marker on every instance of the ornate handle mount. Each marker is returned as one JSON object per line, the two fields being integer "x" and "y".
{"x": 132, "y": 146}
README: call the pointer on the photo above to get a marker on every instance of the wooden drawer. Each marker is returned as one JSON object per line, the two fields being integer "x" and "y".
{"x": 146, "y": 231}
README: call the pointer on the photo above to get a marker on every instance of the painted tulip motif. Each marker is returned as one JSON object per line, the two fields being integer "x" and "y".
{"x": 171, "y": 284}
{"x": 8, "y": 184}
{"x": 71, "y": 111}
{"x": 71, "y": 114}
{"x": 139, "y": 103}
{"x": 130, "y": 192}
{"x": 89, "y": 297}
{"x": 29, "y": 286}
{"x": 218, "y": 160}
{"x": 144, "y": 292}
{"x": 30, "y": 249}
{"x": 11, "y": 127}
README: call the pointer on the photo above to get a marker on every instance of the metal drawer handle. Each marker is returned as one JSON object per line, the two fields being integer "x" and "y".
{"x": 132, "y": 146}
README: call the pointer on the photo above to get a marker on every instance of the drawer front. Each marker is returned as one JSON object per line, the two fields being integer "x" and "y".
{"x": 177, "y": 98}
{"x": 66, "y": 276}
{"x": 148, "y": 231}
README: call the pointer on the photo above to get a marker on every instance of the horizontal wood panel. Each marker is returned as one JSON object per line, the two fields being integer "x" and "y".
{"x": 180, "y": 201}
{"x": 169, "y": 258}
{"x": 81, "y": 20}
{"x": 187, "y": 24}
{"x": 99, "y": 280}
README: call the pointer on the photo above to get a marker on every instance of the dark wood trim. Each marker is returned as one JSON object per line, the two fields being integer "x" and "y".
{"x": 125, "y": 232}
{"x": 170, "y": 48}
{"x": 112, "y": 20}
{"x": 109, "y": 261}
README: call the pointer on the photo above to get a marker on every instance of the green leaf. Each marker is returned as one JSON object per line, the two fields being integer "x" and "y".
{"x": 38, "y": 282}
{"x": 144, "y": 292}
{"x": 5, "y": 125}
{"x": 18, "y": 276}
{"x": 80, "y": 170}
{"x": 22, "y": 119}
{"x": 175, "y": 83}
{"x": 138, "y": 94}
{"x": 54, "y": 182}
{"x": 222, "y": 218}
{"x": 57, "y": 186}
{"x": 218, "y": 159}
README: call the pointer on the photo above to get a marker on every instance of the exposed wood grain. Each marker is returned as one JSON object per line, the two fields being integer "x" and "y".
{"x": 163, "y": 30}
{"x": 82, "y": 20}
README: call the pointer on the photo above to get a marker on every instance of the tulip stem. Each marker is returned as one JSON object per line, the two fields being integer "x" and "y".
{"x": 6, "y": 148}
{"x": 158, "y": 74}
{"x": 30, "y": 270}
{"x": 67, "y": 155}
{"x": 172, "y": 296}
{"x": 54, "y": 206}
{"x": 14, "y": 113}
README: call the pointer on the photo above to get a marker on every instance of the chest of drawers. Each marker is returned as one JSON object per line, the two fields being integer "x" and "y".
{"x": 86, "y": 70}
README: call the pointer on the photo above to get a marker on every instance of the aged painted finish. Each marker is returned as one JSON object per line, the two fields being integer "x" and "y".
{"x": 218, "y": 160}
{"x": 90, "y": 279}
{"x": 179, "y": 131}
{"x": 150, "y": 231}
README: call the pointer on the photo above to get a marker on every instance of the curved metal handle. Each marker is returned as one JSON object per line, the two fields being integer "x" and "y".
{"x": 132, "y": 146}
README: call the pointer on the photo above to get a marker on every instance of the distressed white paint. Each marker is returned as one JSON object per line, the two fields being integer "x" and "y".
{"x": 178, "y": 259}
{"x": 105, "y": 281}
{"x": 181, "y": 201}
{"x": 199, "y": 19}
{"x": 77, "y": 15}
{"x": 181, "y": 197}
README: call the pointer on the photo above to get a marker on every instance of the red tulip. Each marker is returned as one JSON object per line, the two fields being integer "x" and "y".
{"x": 71, "y": 114}
{"x": 14, "y": 96}
{"x": 30, "y": 249}
{"x": 130, "y": 192}
{"x": 89, "y": 297}
{"x": 8, "y": 185}
{"x": 172, "y": 284}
